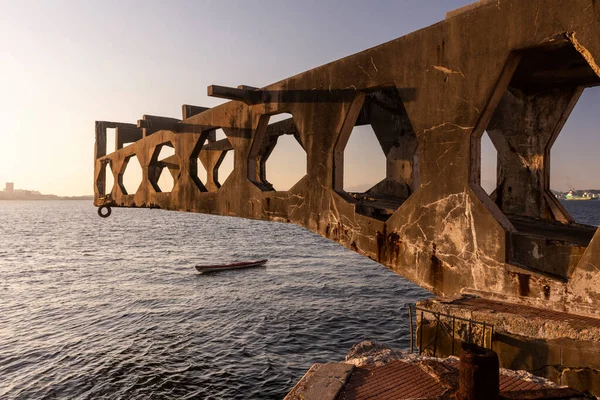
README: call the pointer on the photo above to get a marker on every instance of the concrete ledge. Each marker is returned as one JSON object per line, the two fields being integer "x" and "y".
{"x": 321, "y": 382}
{"x": 521, "y": 320}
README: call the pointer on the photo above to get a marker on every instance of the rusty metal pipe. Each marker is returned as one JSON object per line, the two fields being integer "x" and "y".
{"x": 479, "y": 373}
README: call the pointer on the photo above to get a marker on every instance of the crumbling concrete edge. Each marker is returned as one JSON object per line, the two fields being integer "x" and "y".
{"x": 585, "y": 53}
{"x": 515, "y": 323}
{"x": 321, "y": 381}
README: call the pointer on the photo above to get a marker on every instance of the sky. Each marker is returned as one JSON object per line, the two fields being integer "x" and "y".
{"x": 66, "y": 64}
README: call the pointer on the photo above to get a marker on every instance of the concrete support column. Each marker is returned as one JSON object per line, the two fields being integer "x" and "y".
{"x": 100, "y": 143}
{"x": 210, "y": 160}
{"x": 523, "y": 129}
{"x": 144, "y": 155}
{"x": 399, "y": 144}
{"x": 263, "y": 154}
{"x": 256, "y": 163}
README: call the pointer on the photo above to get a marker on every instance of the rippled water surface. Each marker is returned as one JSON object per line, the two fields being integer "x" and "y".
{"x": 113, "y": 308}
{"x": 585, "y": 212}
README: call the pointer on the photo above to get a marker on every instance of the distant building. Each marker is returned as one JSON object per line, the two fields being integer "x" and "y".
{"x": 9, "y": 193}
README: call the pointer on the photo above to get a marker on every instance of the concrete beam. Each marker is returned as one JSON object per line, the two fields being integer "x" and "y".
{"x": 285, "y": 127}
{"x": 127, "y": 134}
{"x": 100, "y": 129}
{"x": 152, "y": 123}
{"x": 247, "y": 96}
{"x": 262, "y": 96}
{"x": 188, "y": 111}
{"x": 219, "y": 145}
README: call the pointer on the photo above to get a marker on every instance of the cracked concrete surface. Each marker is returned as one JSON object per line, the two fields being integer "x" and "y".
{"x": 428, "y": 96}
{"x": 428, "y": 220}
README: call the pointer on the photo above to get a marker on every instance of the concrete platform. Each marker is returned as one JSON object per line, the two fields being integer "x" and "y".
{"x": 562, "y": 347}
{"x": 322, "y": 381}
{"x": 384, "y": 374}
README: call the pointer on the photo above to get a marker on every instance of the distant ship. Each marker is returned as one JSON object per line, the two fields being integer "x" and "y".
{"x": 585, "y": 196}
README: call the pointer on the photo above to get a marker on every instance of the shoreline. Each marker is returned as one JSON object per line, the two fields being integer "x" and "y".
{"x": 91, "y": 198}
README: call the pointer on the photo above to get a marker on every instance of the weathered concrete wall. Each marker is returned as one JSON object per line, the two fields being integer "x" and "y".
{"x": 512, "y": 67}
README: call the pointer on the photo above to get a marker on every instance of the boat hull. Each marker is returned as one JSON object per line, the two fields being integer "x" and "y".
{"x": 226, "y": 267}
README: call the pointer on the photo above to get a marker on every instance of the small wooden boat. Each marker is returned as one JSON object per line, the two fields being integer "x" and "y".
{"x": 224, "y": 267}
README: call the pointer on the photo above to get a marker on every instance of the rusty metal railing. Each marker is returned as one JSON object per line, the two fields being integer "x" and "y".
{"x": 437, "y": 317}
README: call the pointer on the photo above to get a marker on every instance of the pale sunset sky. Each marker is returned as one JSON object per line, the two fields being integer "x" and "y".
{"x": 66, "y": 64}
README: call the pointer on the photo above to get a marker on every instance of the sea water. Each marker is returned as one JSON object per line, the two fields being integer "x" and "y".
{"x": 112, "y": 308}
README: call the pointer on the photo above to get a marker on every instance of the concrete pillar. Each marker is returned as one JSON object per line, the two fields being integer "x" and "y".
{"x": 263, "y": 155}
{"x": 399, "y": 144}
{"x": 210, "y": 159}
{"x": 523, "y": 129}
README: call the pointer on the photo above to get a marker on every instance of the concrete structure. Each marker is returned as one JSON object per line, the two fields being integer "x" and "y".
{"x": 372, "y": 371}
{"x": 564, "y": 348}
{"x": 514, "y": 68}
{"x": 10, "y": 187}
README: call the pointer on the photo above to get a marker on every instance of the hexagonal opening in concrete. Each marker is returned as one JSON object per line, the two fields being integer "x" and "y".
{"x": 106, "y": 179}
{"x": 213, "y": 161}
{"x": 535, "y": 95}
{"x": 489, "y": 164}
{"x": 219, "y": 134}
{"x": 131, "y": 175}
{"x": 224, "y": 165}
{"x": 111, "y": 140}
{"x": 284, "y": 158}
{"x": 201, "y": 173}
{"x": 376, "y": 163}
{"x": 166, "y": 180}
{"x": 364, "y": 161}
{"x": 127, "y": 135}
{"x": 277, "y": 158}
{"x": 576, "y": 148}
{"x": 163, "y": 168}
{"x": 197, "y": 170}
